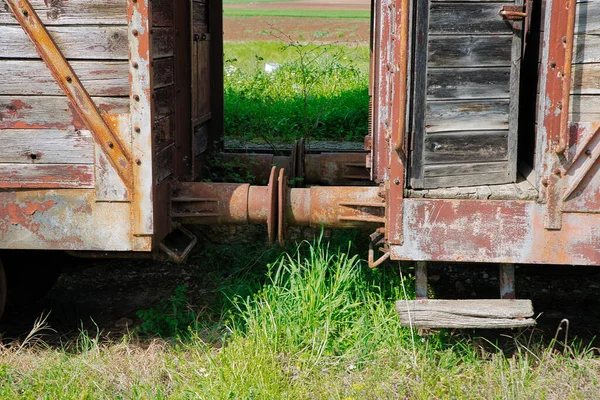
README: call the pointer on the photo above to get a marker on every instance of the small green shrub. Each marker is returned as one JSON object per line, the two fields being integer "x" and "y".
{"x": 171, "y": 318}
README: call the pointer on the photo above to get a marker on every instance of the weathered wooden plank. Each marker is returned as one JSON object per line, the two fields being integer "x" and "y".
{"x": 466, "y": 147}
{"x": 585, "y": 79}
{"x": 163, "y": 131}
{"x": 164, "y": 72}
{"x": 32, "y": 77}
{"x": 466, "y": 180}
{"x": 46, "y": 176}
{"x": 164, "y": 163}
{"x": 466, "y": 169}
{"x": 586, "y": 49}
{"x": 83, "y": 42}
{"x": 465, "y": 313}
{"x": 76, "y": 42}
{"x": 109, "y": 185}
{"x": 51, "y": 146}
{"x": 469, "y": 51}
{"x": 44, "y": 112}
{"x": 588, "y": 17}
{"x": 584, "y": 108}
{"x": 466, "y": 18}
{"x": 162, "y": 13}
{"x": 164, "y": 102}
{"x": 163, "y": 42}
{"x": 73, "y": 12}
{"x": 468, "y": 83}
{"x": 466, "y": 115}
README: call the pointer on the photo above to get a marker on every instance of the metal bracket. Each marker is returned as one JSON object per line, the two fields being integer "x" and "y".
{"x": 512, "y": 13}
{"x": 180, "y": 257}
{"x": 115, "y": 151}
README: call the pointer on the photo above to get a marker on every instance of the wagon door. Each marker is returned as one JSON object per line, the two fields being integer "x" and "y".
{"x": 465, "y": 85}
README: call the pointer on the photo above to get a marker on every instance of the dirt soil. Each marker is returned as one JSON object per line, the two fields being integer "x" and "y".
{"x": 240, "y": 29}
{"x": 307, "y": 5}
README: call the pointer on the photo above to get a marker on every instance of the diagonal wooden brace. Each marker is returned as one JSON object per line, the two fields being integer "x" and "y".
{"x": 115, "y": 151}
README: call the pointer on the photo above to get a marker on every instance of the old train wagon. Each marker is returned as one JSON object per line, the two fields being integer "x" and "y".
{"x": 484, "y": 140}
{"x": 102, "y": 104}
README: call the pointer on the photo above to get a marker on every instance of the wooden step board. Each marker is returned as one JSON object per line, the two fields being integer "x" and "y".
{"x": 486, "y": 314}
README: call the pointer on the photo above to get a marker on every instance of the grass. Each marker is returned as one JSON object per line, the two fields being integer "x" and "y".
{"x": 319, "y": 325}
{"x": 319, "y": 91}
{"x": 225, "y": 2}
{"x": 251, "y": 12}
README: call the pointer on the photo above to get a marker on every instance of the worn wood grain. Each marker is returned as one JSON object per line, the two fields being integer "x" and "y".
{"x": 431, "y": 182}
{"x": 466, "y": 115}
{"x": 585, "y": 79}
{"x": 584, "y": 108}
{"x": 32, "y": 77}
{"x": 163, "y": 42}
{"x": 46, "y": 176}
{"x": 164, "y": 102}
{"x": 467, "y": 18}
{"x": 43, "y": 112}
{"x": 586, "y": 49}
{"x": 466, "y": 147}
{"x": 73, "y": 12}
{"x": 469, "y": 51}
{"x": 109, "y": 185}
{"x": 588, "y": 17}
{"x": 46, "y": 146}
{"x": 164, "y": 163}
{"x": 468, "y": 83}
{"x": 76, "y": 42}
{"x": 83, "y": 42}
{"x": 162, "y": 13}
{"x": 164, "y": 72}
{"x": 466, "y": 169}
{"x": 465, "y": 313}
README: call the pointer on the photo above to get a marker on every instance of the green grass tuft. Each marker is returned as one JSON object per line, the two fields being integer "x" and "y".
{"x": 319, "y": 92}
{"x": 254, "y": 12}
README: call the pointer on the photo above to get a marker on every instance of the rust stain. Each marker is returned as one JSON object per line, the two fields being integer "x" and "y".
{"x": 17, "y": 214}
{"x": 13, "y": 110}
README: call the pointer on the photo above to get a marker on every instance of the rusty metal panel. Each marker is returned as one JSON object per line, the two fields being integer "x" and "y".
{"x": 65, "y": 219}
{"x": 495, "y": 231}
{"x": 140, "y": 50}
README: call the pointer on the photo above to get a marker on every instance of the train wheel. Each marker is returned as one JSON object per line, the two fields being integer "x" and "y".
{"x": 3, "y": 290}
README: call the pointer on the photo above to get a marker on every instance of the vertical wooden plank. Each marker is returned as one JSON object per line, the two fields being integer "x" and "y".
{"x": 515, "y": 79}
{"x": 419, "y": 93}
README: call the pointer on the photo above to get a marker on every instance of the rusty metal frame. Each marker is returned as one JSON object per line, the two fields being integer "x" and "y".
{"x": 139, "y": 17}
{"x": 399, "y": 15}
{"x": 116, "y": 152}
{"x": 554, "y": 106}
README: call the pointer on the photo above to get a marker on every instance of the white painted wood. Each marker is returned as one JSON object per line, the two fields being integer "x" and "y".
{"x": 73, "y": 12}
{"x": 75, "y": 42}
{"x": 46, "y": 146}
{"x": 47, "y": 176}
{"x": 32, "y": 77}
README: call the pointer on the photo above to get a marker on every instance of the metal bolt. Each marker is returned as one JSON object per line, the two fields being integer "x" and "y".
{"x": 396, "y": 181}
{"x": 69, "y": 79}
{"x": 588, "y": 152}
{"x": 134, "y": 1}
{"x": 135, "y": 65}
{"x": 138, "y": 161}
{"x": 544, "y": 182}
{"x": 556, "y": 172}
{"x": 137, "y": 129}
{"x": 25, "y": 13}
{"x": 111, "y": 144}
{"x": 136, "y": 97}
{"x": 196, "y": 37}
{"x": 135, "y": 32}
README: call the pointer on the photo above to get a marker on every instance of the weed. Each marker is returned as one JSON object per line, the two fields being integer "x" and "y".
{"x": 171, "y": 318}
{"x": 319, "y": 91}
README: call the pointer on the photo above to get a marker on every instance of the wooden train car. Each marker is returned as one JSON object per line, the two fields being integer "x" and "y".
{"x": 102, "y": 105}
{"x": 484, "y": 142}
